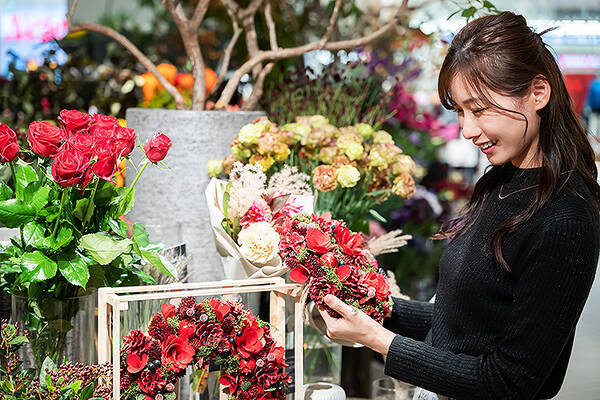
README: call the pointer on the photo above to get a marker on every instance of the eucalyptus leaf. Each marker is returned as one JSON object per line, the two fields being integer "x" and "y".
{"x": 47, "y": 365}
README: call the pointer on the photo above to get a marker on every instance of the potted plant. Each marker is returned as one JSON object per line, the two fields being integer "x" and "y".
{"x": 203, "y": 135}
{"x": 72, "y": 236}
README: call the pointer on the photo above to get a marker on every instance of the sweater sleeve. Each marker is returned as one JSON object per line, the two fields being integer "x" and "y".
{"x": 410, "y": 318}
{"x": 556, "y": 277}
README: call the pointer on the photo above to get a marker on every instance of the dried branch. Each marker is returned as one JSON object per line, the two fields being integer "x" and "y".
{"x": 271, "y": 26}
{"x": 332, "y": 19}
{"x": 262, "y": 56}
{"x": 247, "y": 16}
{"x": 123, "y": 41}
{"x": 231, "y": 9}
{"x": 257, "y": 90}
{"x": 199, "y": 13}
{"x": 189, "y": 37}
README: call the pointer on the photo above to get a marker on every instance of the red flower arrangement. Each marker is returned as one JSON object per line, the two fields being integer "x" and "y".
{"x": 330, "y": 259}
{"x": 193, "y": 334}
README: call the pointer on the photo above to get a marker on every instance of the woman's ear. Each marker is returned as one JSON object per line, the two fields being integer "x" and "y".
{"x": 540, "y": 92}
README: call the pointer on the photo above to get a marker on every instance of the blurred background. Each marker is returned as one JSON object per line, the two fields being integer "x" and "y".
{"x": 43, "y": 70}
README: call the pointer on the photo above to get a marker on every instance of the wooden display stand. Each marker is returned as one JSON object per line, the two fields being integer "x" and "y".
{"x": 111, "y": 301}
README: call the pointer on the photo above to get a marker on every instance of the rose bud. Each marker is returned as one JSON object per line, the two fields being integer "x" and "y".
{"x": 156, "y": 147}
{"x": 44, "y": 138}
{"x": 9, "y": 148}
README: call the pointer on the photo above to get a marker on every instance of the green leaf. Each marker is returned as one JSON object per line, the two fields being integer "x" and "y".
{"x": 18, "y": 340}
{"x": 469, "y": 12}
{"x": 74, "y": 385}
{"x": 124, "y": 202}
{"x": 118, "y": 226}
{"x": 74, "y": 268}
{"x": 377, "y": 216}
{"x": 160, "y": 263}
{"x": 49, "y": 365}
{"x": 489, "y": 5}
{"x": 60, "y": 326}
{"x": 14, "y": 213}
{"x": 5, "y": 192}
{"x": 37, "y": 267}
{"x": 25, "y": 175}
{"x": 33, "y": 233}
{"x": 40, "y": 198}
{"x": 63, "y": 238}
{"x": 87, "y": 392}
{"x": 103, "y": 249}
{"x": 140, "y": 236}
{"x": 80, "y": 207}
{"x": 146, "y": 278}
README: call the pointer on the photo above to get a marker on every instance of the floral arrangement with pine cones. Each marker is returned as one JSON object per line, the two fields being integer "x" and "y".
{"x": 324, "y": 254}
{"x": 193, "y": 334}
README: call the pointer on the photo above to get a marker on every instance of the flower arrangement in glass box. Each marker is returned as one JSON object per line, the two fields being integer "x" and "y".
{"x": 353, "y": 168}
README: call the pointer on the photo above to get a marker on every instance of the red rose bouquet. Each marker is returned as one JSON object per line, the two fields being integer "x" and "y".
{"x": 330, "y": 259}
{"x": 69, "y": 211}
{"x": 193, "y": 334}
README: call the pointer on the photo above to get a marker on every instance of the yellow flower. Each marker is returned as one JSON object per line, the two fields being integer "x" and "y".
{"x": 214, "y": 167}
{"x": 300, "y": 130}
{"x": 328, "y": 154}
{"x": 378, "y": 158}
{"x": 264, "y": 161}
{"x": 347, "y": 176}
{"x": 364, "y": 130}
{"x": 404, "y": 164}
{"x": 250, "y": 133}
{"x": 354, "y": 151}
{"x": 259, "y": 242}
{"x": 315, "y": 121}
{"x": 324, "y": 178}
{"x": 382, "y": 137}
{"x": 282, "y": 151}
{"x": 240, "y": 153}
{"x": 404, "y": 186}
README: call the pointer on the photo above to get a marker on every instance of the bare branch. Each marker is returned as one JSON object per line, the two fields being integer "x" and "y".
{"x": 271, "y": 26}
{"x": 72, "y": 11}
{"x": 257, "y": 91}
{"x": 231, "y": 8}
{"x": 332, "y": 19}
{"x": 189, "y": 37}
{"x": 247, "y": 16}
{"x": 199, "y": 13}
{"x": 262, "y": 56}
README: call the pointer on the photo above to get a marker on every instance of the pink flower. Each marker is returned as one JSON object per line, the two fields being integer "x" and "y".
{"x": 259, "y": 211}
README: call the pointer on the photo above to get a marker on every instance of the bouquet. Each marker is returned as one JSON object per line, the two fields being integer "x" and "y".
{"x": 193, "y": 334}
{"x": 353, "y": 168}
{"x": 245, "y": 212}
{"x": 73, "y": 237}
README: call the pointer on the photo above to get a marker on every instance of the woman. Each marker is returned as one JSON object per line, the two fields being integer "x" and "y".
{"x": 521, "y": 259}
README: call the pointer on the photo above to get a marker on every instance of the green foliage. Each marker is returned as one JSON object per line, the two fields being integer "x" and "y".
{"x": 470, "y": 8}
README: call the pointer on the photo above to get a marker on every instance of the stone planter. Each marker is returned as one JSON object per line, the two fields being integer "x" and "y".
{"x": 171, "y": 204}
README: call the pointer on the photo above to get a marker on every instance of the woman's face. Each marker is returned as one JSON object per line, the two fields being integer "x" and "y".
{"x": 499, "y": 134}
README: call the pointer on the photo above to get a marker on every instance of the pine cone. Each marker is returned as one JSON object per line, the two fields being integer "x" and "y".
{"x": 126, "y": 380}
{"x": 228, "y": 324}
{"x": 313, "y": 264}
{"x": 159, "y": 329}
{"x": 184, "y": 306}
{"x": 210, "y": 333}
{"x": 136, "y": 342}
{"x": 153, "y": 350}
{"x": 195, "y": 343}
{"x": 319, "y": 288}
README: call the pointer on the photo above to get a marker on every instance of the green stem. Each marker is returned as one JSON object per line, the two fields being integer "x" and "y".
{"x": 62, "y": 202}
{"x": 146, "y": 162}
{"x": 14, "y": 172}
{"x": 86, "y": 216}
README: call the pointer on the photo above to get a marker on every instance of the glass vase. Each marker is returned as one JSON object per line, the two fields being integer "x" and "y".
{"x": 322, "y": 358}
{"x": 62, "y": 329}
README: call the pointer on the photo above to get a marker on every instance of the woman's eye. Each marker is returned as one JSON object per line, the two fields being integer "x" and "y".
{"x": 478, "y": 111}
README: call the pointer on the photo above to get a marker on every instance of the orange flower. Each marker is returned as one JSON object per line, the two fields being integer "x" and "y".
{"x": 184, "y": 81}
{"x": 169, "y": 71}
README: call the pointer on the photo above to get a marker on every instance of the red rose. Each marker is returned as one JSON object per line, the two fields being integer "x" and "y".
{"x": 70, "y": 167}
{"x": 168, "y": 310}
{"x": 9, "y": 148}
{"x": 177, "y": 353}
{"x": 82, "y": 142}
{"x": 229, "y": 381}
{"x": 106, "y": 165}
{"x": 249, "y": 343}
{"x": 157, "y": 147}
{"x": 299, "y": 274}
{"x": 73, "y": 121}
{"x": 318, "y": 241}
{"x": 104, "y": 122}
{"x": 378, "y": 286}
{"x": 350, "y": 243}
{"x": 220, "y": 308}
{"x": 135, "y": 364}
{"x": 44, "y": 138}
{"x": 124, "y": 141}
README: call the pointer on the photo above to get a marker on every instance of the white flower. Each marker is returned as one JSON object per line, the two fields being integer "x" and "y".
{"x": 259, "y": 242}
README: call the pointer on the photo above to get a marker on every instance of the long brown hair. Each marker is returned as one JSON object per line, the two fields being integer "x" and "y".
{"x": 502, "y": 54}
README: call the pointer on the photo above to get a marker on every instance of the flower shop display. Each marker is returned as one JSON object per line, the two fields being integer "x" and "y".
{"x": 246, "y": 211}
{"x": 189, "y": 332}
{"x": 259, "y": 63}
{"x": 193, "y": 334}
{"x": 353, "y": 168}
{"x": 68, "y": 210}
{"x": 68, "y": 381}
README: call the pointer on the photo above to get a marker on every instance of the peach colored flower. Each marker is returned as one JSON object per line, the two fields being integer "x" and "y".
{"x": 259, "y": 242}
{"x": 404, "y": 186}
{"x": 324, "y": 178}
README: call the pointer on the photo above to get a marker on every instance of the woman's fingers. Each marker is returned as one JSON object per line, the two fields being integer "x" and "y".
{"x": 337, "y": 305}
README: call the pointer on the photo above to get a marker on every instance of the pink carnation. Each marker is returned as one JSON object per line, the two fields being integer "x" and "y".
{"x": 259, "y": 211}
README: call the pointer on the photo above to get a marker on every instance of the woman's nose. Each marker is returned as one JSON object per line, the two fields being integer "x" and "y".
{"x": 470, "y": 128}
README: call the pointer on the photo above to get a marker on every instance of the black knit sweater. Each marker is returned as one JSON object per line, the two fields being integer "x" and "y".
{"x": 492, "y": 334}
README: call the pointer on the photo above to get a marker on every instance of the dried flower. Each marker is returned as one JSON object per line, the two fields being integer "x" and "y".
{"x": 404, "y": 165}
{"x": 289, "y": 181}
{"x": 247, "y": 184}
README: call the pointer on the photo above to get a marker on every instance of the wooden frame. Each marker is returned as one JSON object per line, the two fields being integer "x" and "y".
{"x": 110, "y": 299}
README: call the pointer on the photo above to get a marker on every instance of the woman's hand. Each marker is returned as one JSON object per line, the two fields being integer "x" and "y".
{"x": 355, "y": 326}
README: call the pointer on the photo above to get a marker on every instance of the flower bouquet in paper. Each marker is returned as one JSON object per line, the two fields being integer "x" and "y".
{"x": 245, "y": 213}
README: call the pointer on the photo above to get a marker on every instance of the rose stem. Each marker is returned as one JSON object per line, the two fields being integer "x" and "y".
{"x": 144, "y": 165}
{"x": 62, "y": 202}
{"x": 86, "y": 218}
{"x": 14, "y": 172}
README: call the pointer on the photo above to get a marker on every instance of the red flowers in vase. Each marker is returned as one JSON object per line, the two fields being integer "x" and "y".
{"x": 193, "y": 334}
{"x": 326, "y": 255}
